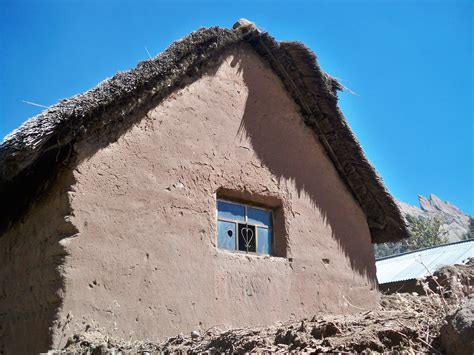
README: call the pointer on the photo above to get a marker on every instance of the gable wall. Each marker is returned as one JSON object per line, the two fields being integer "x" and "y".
{"x": 145, "y": 263}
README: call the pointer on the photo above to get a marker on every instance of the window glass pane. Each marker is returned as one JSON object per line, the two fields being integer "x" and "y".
{"x": 258, "y": 216}
{"x": 226, "y": 235}
{"x": 230, "y": 211}
{"x": 247, "y": 238}
{"x": 265, "y": 241}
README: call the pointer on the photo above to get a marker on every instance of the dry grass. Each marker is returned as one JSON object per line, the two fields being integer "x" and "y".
{"x": 404, "y": 322}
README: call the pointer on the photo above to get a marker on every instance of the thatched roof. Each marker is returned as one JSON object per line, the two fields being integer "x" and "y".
{"x": 29, "y": 154}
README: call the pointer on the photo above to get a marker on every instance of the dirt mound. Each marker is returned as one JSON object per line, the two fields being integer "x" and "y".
{"x": 403, "y": 322}
{"x": 457, "y": 335}
{"x": 453, "y": 281}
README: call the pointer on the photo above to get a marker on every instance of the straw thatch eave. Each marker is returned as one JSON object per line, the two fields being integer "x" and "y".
{"x": 30, "y": 153}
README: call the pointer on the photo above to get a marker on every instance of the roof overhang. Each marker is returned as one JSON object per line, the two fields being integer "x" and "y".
{"x": 31, "y": 153}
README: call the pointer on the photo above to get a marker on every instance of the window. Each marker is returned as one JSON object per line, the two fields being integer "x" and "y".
{"x": 244, "y": 228}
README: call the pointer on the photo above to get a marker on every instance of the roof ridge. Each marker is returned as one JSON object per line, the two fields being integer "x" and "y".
{"x": 113, "y": 102}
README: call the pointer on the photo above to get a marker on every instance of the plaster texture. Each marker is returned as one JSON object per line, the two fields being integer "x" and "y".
{"x": 31, "y": 261}
{"x": 126, "y": 239}
{"x": 146, "y": 265}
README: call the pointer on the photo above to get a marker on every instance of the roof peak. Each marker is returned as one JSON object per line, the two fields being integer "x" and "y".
{"x": 42, "y": 144}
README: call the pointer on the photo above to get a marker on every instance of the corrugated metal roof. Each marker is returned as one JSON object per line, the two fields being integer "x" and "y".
{"x": 421, "y": 263}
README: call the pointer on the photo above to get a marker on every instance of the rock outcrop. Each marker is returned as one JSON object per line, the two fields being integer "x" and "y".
{"x": 455, "y": 221}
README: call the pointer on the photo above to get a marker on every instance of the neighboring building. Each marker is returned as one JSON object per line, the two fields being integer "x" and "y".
{"x": 399, "y": 273}
{"x": 215, "y": 185}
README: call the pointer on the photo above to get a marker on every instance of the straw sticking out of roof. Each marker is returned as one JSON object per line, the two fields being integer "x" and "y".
{"x": 114, "y": 100}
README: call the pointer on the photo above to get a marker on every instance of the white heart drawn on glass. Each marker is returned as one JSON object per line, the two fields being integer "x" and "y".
{"x": 246, "y": 237}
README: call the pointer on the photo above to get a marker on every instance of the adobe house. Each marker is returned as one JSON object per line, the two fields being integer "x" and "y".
{"x": 217, "y": 184}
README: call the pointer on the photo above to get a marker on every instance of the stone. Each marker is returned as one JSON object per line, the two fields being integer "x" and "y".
{"x": 244, "y": 24}
{"x": 195, "y": 334}
{"x": 457, "y": 336}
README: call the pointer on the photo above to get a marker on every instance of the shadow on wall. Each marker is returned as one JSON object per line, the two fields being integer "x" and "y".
{"x": 283, "y": 146}
{"x": 31, "y": 272}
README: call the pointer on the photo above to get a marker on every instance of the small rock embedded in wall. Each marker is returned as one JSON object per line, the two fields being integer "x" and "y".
{"x": 178, "y": 186}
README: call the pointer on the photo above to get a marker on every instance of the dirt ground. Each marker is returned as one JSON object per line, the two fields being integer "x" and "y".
{"x": 403, "y": 322}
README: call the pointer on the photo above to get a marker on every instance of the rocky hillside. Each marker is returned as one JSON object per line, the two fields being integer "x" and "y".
{"x": 455, "y": 221}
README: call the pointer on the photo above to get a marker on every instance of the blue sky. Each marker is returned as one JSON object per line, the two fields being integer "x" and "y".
{"x": 409, "y": 63}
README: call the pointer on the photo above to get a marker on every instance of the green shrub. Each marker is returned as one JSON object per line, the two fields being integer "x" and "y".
{"x": 424, "y": 232}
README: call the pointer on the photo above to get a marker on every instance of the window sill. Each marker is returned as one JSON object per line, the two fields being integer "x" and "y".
{"x": 241, "y": 254}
